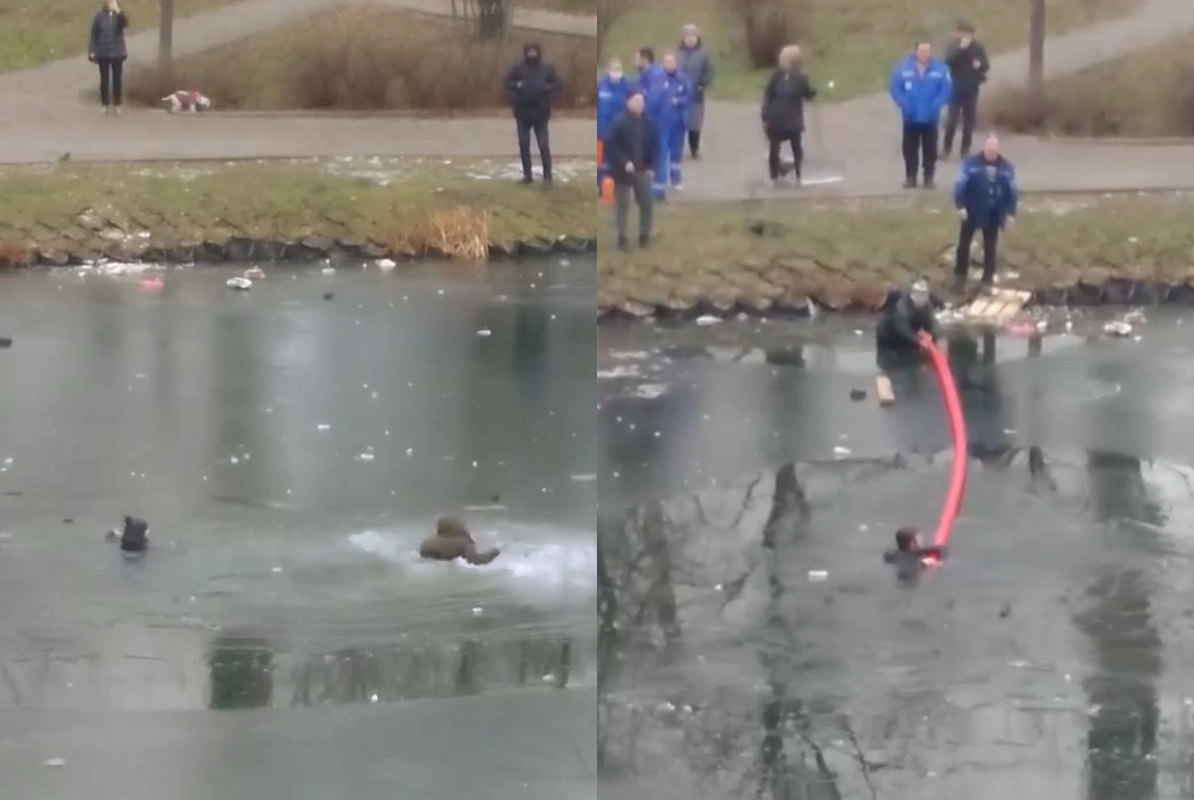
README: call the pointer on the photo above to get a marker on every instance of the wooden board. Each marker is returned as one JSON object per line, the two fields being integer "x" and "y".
{"x": 884, "y": 391}
{"x": 997, "y": 306}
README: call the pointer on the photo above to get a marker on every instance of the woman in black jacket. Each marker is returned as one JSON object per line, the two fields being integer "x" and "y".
{"x": 783, "y": 110}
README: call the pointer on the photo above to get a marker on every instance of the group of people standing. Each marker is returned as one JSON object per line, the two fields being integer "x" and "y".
{"x": 644, "y": 123}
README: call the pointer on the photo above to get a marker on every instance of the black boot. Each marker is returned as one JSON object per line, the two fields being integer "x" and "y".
{"x": 644, "y": 241}
{"x": 624, "y": 245}
{"x": 526, "y": 179}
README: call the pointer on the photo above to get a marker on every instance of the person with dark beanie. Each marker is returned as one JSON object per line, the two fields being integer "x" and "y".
{"x": 783, "y": 111}
{"x": 531, "y": 86}
{"x": 968, "y": 66}
{"x": 631, "y": 157}
{"x": 106, "y": 49}
{"x": 920, "y": 88}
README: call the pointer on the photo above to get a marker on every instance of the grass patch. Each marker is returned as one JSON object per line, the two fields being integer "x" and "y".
{"x": 34, "y": 32}
{"x": 850, "y": 252}
{"x": 421, "y": 207}
{"x": 854, "y": 43}
{"x": 1147, "y": 94}
{"x": 367, "y": 58}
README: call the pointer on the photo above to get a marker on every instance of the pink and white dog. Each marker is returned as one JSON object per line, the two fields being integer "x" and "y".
{"x": 191, "y": 100}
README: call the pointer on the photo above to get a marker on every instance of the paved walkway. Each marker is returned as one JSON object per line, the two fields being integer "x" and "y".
{"x": 860, "y": 140}
{"x": 44, "y": 115}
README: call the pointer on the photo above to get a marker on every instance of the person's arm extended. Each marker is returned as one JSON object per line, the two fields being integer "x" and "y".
{"x": 1013, "y": 192}
{"x": 984, "y": 63}
{"x": 895, "y": 86}
{"x": 961, "y": 185}
{"x": 768, "y": 95}
{"x": 122, "y": 20}
{"x": 551, "y": 81}
{"x": 513, "y": 82}
{"x": 807, "y": 91}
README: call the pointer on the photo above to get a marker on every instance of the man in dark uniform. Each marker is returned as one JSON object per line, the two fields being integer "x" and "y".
{"x": 630, "y": 154}
{"x": 968, "y": 66}
{"x": 531, "y": 85}
{"x": 986, "y": 197}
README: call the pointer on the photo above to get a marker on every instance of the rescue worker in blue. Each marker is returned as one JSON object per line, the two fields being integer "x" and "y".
{"x": 920, "y": 87}
{"x": 611, "y": 101}
{"x": 653, "y": 84}
{"x": 679, "y": 90}
{"x": 986, "y": 198}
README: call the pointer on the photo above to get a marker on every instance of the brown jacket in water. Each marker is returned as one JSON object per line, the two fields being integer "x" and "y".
{"x": 451, "y": 540}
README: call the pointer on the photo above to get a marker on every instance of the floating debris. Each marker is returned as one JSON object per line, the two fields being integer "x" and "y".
{"x": 841, "y": 451}
{"x": 328, "y": 271}
{"x": 255, "y": 273}
{"x": 817, "y": 575}
{"x": 707, "y": 319}
{"x": 485, "y": 332}
{"x": 1117, "y": 328}
{"x": 55, "y": 762}
{"x": 857, "y": 394}
{"x": 239, "y": 283}
{"x": 385, "y": 263}
{"x": 323, "y": 426}
{"x": 584, "y": 477}
{"x": 365, "y": 456}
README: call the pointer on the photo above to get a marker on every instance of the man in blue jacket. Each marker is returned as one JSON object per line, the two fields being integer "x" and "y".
{"x": 611, "y": 101}
{"x": 679, "y": 91}
{"x": 653, "y": 84}
{"x": 920, "y": 87}
{"x": 986, "y": 196}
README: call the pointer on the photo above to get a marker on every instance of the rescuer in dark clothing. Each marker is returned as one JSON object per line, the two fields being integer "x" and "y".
{"x": 968, "y": 66}
{"x": 906, "y": 314}
{"x": 531, "y": 85}
{"x": 630, "y": 155}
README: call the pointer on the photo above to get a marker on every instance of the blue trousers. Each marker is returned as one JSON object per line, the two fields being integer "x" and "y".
{"x": 663, "y": 158}
{"x": 675, "y": 150}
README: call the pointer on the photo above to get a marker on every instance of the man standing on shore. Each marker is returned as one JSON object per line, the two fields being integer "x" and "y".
{"x": 986, "y": 196}
{"x": 611, "y": 101}
{"x": 531, "y": 86}
{"x": 679, "y": 92}
{"x": 653, "y": 83}
{"x": 631, "y": 156}
{"x": 968, "y": 66}
{"x": 920, "y": 88}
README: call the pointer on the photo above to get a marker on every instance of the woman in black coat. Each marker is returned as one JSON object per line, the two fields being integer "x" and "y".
{"x": 107, "y": 49}
{"x": 783, "y": 110}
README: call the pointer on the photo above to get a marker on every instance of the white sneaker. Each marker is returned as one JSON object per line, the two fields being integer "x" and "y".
{"x": 119, "y": 110}
{"x": 107, "y": 110}
{"x": 679, "y": 187}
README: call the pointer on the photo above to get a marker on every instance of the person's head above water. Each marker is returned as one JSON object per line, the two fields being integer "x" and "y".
{"x": 907, "y": 539}
{"x": 918, "y": 293}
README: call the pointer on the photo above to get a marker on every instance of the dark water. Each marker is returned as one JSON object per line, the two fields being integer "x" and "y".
{"x": 290, "y": 452}
{"x": 752, "y": 642}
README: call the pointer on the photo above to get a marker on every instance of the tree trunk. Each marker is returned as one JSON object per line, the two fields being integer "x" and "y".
{"x": 491, "y": 19}
{"x": 166, "y": 35}
{"x": 1036, "y": 50}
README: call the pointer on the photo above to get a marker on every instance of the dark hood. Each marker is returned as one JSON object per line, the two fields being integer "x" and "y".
{"x": 532, "y": 53}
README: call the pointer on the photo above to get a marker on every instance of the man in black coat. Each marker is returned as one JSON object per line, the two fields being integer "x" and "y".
{"x": 531, "y": 85}
{"x": 630, "y": 152}
{"x": 968, "y": 67}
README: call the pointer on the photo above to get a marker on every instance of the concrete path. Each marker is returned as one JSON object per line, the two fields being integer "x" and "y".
{"x": 859, "y": 139}
{"x": 44, "y": 115}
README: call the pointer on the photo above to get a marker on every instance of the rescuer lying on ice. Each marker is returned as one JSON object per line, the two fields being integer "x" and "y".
{"x": 906, "y": 314}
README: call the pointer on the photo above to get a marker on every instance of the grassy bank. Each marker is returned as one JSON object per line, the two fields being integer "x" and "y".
{"x": 854, "y": 43}
{"x": 405, "y": 205}
{"x": 1147, "y": 94}
{"x": 368, "y": 58}
{"x": 37, "y": 31}
{"x": 846, "y": 254}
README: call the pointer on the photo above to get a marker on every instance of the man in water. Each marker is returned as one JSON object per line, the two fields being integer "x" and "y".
{"x": 910, "y": 556}
{"x": 905, "y": 316}
{"x": 452, "y": 540}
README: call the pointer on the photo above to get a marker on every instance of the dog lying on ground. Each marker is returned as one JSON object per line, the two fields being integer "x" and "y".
{"x": 452, "y": 540}
{"x": 134, "y": 538}
{"x": 191, "y": 100}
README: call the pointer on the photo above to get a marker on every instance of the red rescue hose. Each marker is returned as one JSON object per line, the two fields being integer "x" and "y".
{"x": 957, "y": 433}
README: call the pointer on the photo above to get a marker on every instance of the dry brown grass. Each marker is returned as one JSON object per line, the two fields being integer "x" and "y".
{"x": 366, "y": 59}
{"x": 461, "y": 233}
{"x": 1149, "y": 93}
